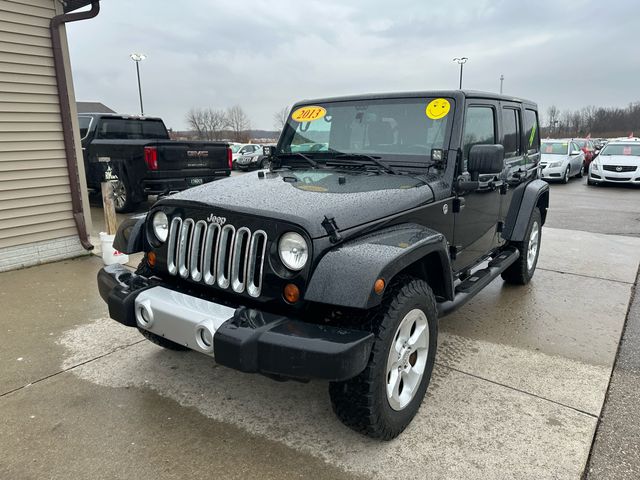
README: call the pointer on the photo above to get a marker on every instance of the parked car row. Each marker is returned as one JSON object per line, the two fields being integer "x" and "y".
{"x": 604, "y": 161}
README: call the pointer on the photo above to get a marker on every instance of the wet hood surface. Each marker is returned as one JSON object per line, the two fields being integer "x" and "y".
{"x": 305, "y": 197}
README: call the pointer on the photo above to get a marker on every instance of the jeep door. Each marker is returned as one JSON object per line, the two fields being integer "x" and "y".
{"x": 531, "y": 141}
{"x": 515, "y": 155}
{"x": 475, "y": 224}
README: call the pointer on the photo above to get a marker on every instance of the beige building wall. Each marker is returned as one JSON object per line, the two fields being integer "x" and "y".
{"x": 36, "y": 222}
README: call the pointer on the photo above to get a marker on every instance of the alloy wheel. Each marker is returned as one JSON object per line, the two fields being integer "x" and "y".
{"x": 119, "y": 194}
{"x": 407, "y": 359}
{"x": 534, "y": 242}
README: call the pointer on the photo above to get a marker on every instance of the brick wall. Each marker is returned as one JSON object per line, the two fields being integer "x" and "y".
{"x": 21, "y": 256}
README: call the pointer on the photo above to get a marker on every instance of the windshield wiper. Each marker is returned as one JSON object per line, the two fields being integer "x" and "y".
{"x": 371, "y": 158}
{"x": 309, "y": 160}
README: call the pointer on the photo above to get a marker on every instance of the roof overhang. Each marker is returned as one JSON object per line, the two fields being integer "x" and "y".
{"x": 71, "y": 5}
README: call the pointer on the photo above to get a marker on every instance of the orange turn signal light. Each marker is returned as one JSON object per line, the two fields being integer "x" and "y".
{"x": 151, "y": 259}
{"x": 378, "y": 286}
{"x": 291, "y": 293}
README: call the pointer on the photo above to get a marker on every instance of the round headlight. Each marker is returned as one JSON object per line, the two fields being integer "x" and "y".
{"x": 160, "y": 225}
{"x": 293, "y": 251}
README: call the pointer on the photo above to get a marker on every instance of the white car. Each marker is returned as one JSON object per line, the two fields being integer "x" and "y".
{"x": 618, "y": 162}
{"x": 561, "y": 160}
{"x": 241, "y": 149}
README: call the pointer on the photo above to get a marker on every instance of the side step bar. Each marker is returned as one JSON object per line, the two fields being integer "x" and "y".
{"x": 479, "y": 279}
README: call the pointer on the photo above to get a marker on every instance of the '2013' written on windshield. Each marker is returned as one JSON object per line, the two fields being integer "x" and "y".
{"x": 308, "y": 114}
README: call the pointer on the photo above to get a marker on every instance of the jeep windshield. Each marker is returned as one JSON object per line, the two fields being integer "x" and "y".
{"x": 397, "y": 132}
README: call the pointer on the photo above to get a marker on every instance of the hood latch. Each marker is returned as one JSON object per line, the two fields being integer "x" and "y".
{"x": 329, "y": 224}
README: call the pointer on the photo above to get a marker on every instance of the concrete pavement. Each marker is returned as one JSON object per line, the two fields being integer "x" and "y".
{"x": 616, "y": 449}
{"x": 520, "y": 380}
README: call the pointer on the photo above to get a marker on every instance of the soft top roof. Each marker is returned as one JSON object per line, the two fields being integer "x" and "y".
{"x": 457, "y": 95}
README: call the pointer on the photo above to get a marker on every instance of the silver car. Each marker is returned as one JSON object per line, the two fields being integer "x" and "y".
{"x": 618, "y": 162}
{"x": 561, "y": 160}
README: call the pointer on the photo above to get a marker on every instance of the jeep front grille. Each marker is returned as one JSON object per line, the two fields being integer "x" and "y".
{"x": 213, "y": 254}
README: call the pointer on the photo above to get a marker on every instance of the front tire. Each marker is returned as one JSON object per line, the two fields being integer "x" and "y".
{"x": 384, "y": 398}
{"x": 567, "y": 175}
{"x": 522, "y": 270}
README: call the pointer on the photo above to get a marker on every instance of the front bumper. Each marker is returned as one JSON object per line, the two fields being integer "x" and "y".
{"x": 244, "y": 339}
{"x": 606, "y": 176}
{"x": 244, "y": 164}
{"x": 553, "y": 173}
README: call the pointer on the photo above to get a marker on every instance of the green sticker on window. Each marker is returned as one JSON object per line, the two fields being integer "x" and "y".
{"x": 533, "y": 134}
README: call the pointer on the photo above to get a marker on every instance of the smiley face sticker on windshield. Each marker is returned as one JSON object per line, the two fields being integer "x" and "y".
{"x": 308, "y": 114}
{"x": 438, "y": 108}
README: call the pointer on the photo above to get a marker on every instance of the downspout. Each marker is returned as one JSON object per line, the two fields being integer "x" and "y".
{"x": 65, "y": 112}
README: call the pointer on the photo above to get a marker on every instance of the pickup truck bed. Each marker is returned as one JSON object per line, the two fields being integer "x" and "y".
{"x": 143, "y": 166}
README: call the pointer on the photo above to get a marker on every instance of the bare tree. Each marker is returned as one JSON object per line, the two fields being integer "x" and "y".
{"x": 195, "y": 121}
{"x": 216, "y": 121}
{"x": 280, "y": 118}
{"x": 207, "y": 123}
{"x": 238, "y": 123}
{"x": 553, "y": 116}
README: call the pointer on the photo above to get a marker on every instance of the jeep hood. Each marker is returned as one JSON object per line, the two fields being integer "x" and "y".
{"x": 305, "y": 197}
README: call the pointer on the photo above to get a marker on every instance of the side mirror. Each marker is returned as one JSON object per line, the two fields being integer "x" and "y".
{"x": 575, "y": 152}
{"x": 485, "y": 159}
{"x": 268, "y": 151}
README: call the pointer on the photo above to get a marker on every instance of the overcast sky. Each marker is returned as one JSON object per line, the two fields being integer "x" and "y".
{"x": 264, "y": 55}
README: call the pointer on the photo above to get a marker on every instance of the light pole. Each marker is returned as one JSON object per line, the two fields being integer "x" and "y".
{"x": 460, "y": 61}
{"x": 501, "y": 81}
{"x": 138, "y": 57}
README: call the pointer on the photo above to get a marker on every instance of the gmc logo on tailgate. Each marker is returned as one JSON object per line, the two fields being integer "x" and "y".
{"x": 197, "y": 153}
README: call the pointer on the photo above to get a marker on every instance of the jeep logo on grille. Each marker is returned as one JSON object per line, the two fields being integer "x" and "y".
{"x": 215, "y": 219}
{"x": 197, "y": 153}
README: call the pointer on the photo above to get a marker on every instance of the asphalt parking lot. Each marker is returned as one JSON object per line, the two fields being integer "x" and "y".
{"x": 520, "y": 380}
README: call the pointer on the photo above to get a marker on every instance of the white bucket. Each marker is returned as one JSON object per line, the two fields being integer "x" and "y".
{"x": 109, "y": 254}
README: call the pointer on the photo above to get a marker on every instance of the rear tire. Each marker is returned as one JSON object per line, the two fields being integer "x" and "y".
{"x": 522, "y": 270}
{"x": 384, "y": 398}
{"x": 123, "y": 195}
{"x": 580, "y": 174}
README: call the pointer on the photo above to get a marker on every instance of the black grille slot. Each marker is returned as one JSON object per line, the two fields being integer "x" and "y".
{"x": 623, "y": 168}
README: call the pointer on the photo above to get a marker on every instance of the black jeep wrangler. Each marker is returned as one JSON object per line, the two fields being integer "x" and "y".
{"x": 379, "y": 214}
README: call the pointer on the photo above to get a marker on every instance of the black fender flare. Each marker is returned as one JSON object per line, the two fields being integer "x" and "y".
{"x": 130, "y": 237}
{"x": 525, "y": 198}
{"x": 345, "y": 275}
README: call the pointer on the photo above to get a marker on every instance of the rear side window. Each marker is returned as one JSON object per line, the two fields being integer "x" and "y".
{"x": 131, "y": 129}
{"x": 479, "y": 129}
{"x": 511, "y": 132}
{"x": 531, "y": 131}
{"x": 84, "y": 124}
